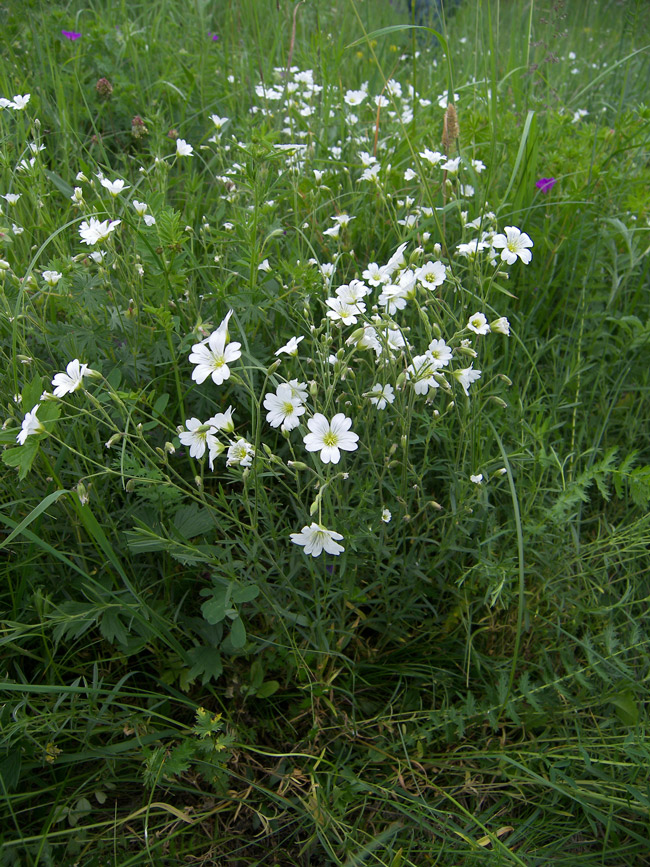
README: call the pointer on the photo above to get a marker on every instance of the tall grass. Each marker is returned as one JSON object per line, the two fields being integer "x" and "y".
{"x": 466, "y": 682}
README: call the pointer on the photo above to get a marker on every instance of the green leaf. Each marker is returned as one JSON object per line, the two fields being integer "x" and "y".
{"x": 205, "y": 663}
{"x": 640, "y": 486}
{"x": 214, "y": 609}
{"x": 245, "y": 594}
{"x": 160, "y": 404}
{"x": 193, "y": 520}
{"x": 627, "y": 710}
{"x": 267, "y": 689}
{"x": 42, "y": 506}
{"x": 32, "y": 392}
{"x": 112, "y": 628}
{"x": 22, "y": 456}
{"x": 238, "y": 633}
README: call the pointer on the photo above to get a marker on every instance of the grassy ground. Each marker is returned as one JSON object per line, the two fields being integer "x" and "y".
{"x": 466, "y": 681}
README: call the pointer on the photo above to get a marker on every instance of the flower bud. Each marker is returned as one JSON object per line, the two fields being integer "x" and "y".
{"x": 501, "y": 326}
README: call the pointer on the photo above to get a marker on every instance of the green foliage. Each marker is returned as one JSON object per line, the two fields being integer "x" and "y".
{"x": 466, "y": 683}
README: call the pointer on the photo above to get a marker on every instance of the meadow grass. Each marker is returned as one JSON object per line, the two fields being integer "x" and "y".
{"x": 223, "y": 640}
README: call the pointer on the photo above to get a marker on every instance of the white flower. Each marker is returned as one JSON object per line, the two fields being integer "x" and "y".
{"x": 198, "y": 437}
{"x": 77, "y": 196}
{"x": 264, "y": 266}
{"x": 317, "y": 539}
{"x": 329, "y": 437}
{"x": 374, "y": 275}
{"x": 114, "y": 187}
{"x": 386, "y": 516}
{"x": 478, "y": 166}
{"x": 340, "y": 310}
{"x": 478, "y": 324}
{"x": 72, "y": 379}
{"x": 149, "y": 219}
{"x": 94, "y": 231}
{"x": 431, "y": 275}
{"x": 183, "y": 149}
{"x": 451, "y": 166}
{"x": 421, "y": 371}
{"x": 440, "y": 353}
{"x": 501, "y": 326}
{"x": 477, "y": 479}
{"x": 354, "y": 97}
{"x": 290, "y": 348}
{"x": 12, "y": 198}
{"x": 213, "y": 359}
{"x": 298, "y": 389}
{"x": 466, "y": 376}
{"x": 409, "y": 174}
{"x": 241, "y": 452}
{"x": 98, "y": 256}
{"x": 433, "y": 157}
{"x": 219, "y": 122}
{"x": 141, "y": 208}
{"x": 381, "y": 395}
{"x": 19, "y": 102}
{"x": 51, "y": 277}
{"x": 284, "y": 408}
{"x": 515, "y": 244}
{"x": 223, "y": 421}
{"x": 333, "y": 231}
{"x": 31, "y": 425}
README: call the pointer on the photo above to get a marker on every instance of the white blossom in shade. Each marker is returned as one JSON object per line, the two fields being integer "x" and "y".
{"x": 514, "y": 243}
{"x": 329, "y": 437}
{"x": 409, "y": 174}
{"x": 478, "y": 324}
{"x": 223, "y": 421}
{"x": 326, "y": 269}
{"x": 471, "y": 248}
{"x": 200, "y": 437}
{"x": 284, "y": 408}
{"x": 367, "y": 159}
{"x": 93, "y": 231}
{"x": 420, "y": 372}
{"x": 17, "y": 230}
{"x": 394, "y": 340}
{"x": 219, "y": 122}
{"x": 396, "y": 260}
{"x": 183, "y": 149}
{"x": 440, "y": 353}
{"x": 343, "y": 219}
{"x": 19, "y": 102}
{"x": 291, "y": 347}
{"x": 371, "y": 173}
{"x": 149, "y": 219}
{"x": 394, "y": 87}
{"x": 213, "y": 359}
{"x": 466, "y": 376}
{"x": 374, "y": 275}
{"x": 431, "y": 274}
{"x": 31, "y": 425}
{"x": 478, "y": 166}
{"x": 315, "y": 539}
{"x": 72, "y": 379}
{"x": 365, "y": 338}
{"x": 240, "y": 453}
{"x": 77, "y": 196}
{"x": 451, "y": 166}
{"x": 264, "y": 266}
{"x": 114, "y": 187}
{"x": 51, "y": 277}
{"x": 98, "y": 256}
{"x": 392, "y": 298}
{"x": 333, "y": 231}
{"x": 352, "y": 292}
{"x": 433, "y": 157}
{"x": 382, "y": 395}
{"x": 12, "y": 198}
{"x": 141, "y": 208}
{"x": 501, "y": 326}
{"x": 386, "y": 516}
{"x": 354, "y": 97}
{"x": 466, "y": 190}
{"x": 341, "y": 311}
{"x": 477, "y": 478}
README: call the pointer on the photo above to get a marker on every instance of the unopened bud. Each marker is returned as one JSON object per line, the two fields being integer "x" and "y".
{"x": 130, "y": 486}
{"x": 499, "y": 401}
{"x": 82, "y": 493}
{"x": 297, "y": 465}
{"x": 198, "y": 481}
{"x": 170, "y": 448}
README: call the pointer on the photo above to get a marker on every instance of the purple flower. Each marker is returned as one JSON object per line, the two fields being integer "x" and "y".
{"x": 71, "y": 35}
{"x": 546, "y": 184}
{"x": 213, "y": 36}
